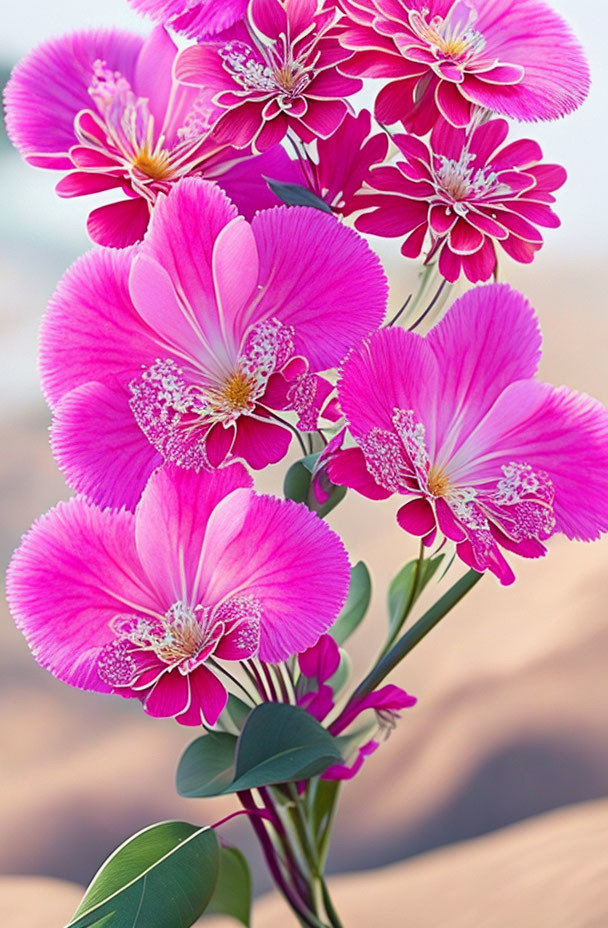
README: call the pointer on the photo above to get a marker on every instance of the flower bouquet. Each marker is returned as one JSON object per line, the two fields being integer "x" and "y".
{"x": 232, "y": 306}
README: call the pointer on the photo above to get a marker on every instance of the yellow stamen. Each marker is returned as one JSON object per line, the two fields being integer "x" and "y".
{"x": 237, "y": 391}
{"x": 438, "y": 482}
{"x": 156, "y": 165}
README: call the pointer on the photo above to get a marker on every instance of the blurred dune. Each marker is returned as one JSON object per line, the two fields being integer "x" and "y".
{"x": 549, "y": 872}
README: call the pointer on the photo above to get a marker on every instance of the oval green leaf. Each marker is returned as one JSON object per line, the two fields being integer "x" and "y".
{"x": 162, "y": 877}
{"x": 356, "y": 606}
{"x": 281, "y": 744}
{"x": 406, "y": 587}
{"x": 296, "y": 195}
{"x": 206, "y": 767}
{"x": 232, "y": 894}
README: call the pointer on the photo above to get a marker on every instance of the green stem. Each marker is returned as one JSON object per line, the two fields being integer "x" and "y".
{"x": 329, "y": 906}
{"x": 416, "y": 633}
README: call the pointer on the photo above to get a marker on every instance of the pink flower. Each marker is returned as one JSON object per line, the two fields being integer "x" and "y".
{"x": 151, "y": 605}
{"x": 515, "y": 57}
{"x": 103, "y": 105}
{"x": 488, "y": 456}
{"x": 344, "y": 162}
{"x": 195, "y": 18}
{"x": 320, "y": 663}
{"x": 387, "y": 702}
{"x": 284, "y": 78}
{"x": 191, "y": 347}
{"x": 469, "y": 193}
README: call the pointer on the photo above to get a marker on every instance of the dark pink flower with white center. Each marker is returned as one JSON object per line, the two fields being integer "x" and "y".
{"x": 103, "y": 105}
{"x": 344, "y": 162}
{"x": 283, "y": 76}
{"x": 484, "y": 454}
{"x": 518, "y": 58}
{"x": 193, "y": 347}
{"x": 153, "y": 605}
{"x": 196, "y": 19}
{"x": 466, "y": 194}
{"x": 318, "y": 665}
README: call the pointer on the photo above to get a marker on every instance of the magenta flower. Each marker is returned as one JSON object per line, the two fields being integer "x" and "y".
{"x": 515, "y": 57}
{"x": 193, "y": 346}
{"x": 469, "y": 194}
{"x": 151, "y": 605}
{"x": 195, "y": 18}
{"x": 488, "y": 456}
{"x": 344, "y": 162}
{"x": 284, "y": 78}
{"x": 103, "y": 105}
{"x": 319, "y": 664}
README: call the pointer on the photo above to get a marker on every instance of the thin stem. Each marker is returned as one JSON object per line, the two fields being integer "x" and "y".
{"x": 400, "y": 312}
{"x": 416, "y": 633}
{"x": 433, "y": 303}
{"x": 329, "y": 906}
{"x": 291, "y": 428}
{"x": 261, "y": 685}
{"x": 234, "y": 680}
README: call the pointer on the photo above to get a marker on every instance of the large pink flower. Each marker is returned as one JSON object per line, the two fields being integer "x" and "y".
{"x": 488, "y": 456}
{"x": 151, "y": 605}
{"x": 103, "y": 105}
{"x": 193, "y": 346}
{"x": 515, "y": 57}
{"x": 469, "y": 193}
{"x": 195, "y": 18}
{"x": 283, "y": 77}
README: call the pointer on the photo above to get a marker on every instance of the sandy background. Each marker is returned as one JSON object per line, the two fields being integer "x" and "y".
{"x": 511, "y": 721}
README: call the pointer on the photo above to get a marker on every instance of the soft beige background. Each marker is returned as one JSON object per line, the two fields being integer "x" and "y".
{"x": 511, "y": 722}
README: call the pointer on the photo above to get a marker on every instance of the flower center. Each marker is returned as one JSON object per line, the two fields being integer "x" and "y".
{"x": 237, "y": 392}
{"x": 459, "y": 181}
{"x": 452, "y": 36}
{"x": 438, "y": 482}
{"x": 155, "y": 165}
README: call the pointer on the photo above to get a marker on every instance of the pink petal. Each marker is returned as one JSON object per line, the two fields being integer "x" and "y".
{"x": 196, "y": 20}
{"x": 91, "y": 330}
{"x": 260, "y": 443}
{"x": 492, "y": 338}
{"x": 555, "y": 430}
{"x": 347, "y": 469}
{"x": 288, "y": 549}
{"x": 317, "y": 274}
{"x": 417, "y": 517}
{"x": 51, "y": 85}
{"x": 169, "y": 697}
{"x": 171, "y": 525}
{"x": 245, "y": 182}
{"x": 78, "y": 563}
{"x": 100, "y": 448}
{"x": 153, "y": 73}
{"x": 321, "y": 661}
{"x": 452, "y": 105}
{"x": 79, "y": 183}
{"x": 119, "y": 224}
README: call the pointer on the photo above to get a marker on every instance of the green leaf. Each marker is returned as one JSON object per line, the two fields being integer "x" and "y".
{"x": 281, "y": 744}
{"x": 406, "y": 587}
{"x": 233, "y": 717}
{"x": 162, "y": 877}
{"x": 296, "y": 195}
{"x": 342, "y": 674}
{"x": 356, "y": 606}
{"x": 297, "y": 486}
{"x": 324, "y": 799}
{"x": 232, "y": 894}
{"x": 206, "y": 767}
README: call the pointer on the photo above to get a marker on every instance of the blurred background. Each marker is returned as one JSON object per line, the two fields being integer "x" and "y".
{"x": 488, "y": 804}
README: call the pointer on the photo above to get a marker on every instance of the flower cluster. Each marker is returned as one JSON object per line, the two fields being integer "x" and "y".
{"x": 228, "y": 309}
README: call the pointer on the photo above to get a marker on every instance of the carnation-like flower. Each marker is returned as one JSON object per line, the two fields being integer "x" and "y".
{"x": 193, "y": 346}
{"x": 103, "y": 105}
{"x": 194, "y": 18}
{"x": 344, "y": 162}
{"x": 282, "y": 76}
{"x": 152, "y": 605}
{"x": 515, "y": 57}
{"x": 466, "y": 194}
{"x": 319, "y": 664}
{"x": 486, "y": 455}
